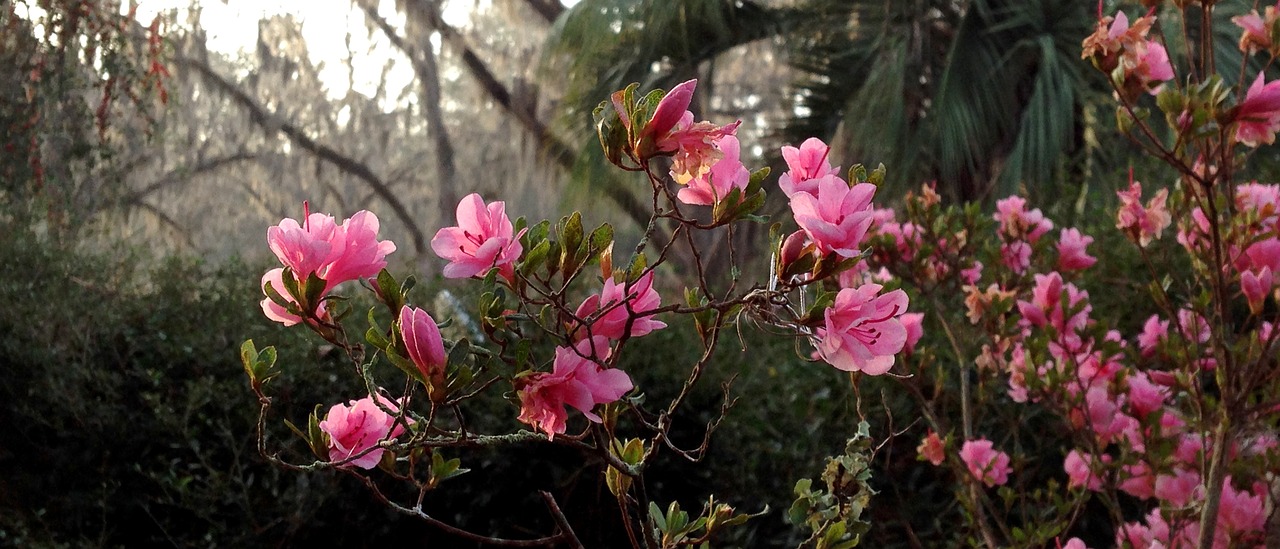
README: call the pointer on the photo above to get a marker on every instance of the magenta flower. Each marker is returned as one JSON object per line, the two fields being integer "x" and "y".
{"x": 1071, "y": 251}
{"x": 1177, "y": 487}
{"x": 726, "y": 174}
{"x": 423, "y": 343}
{"x": 577, "y": 379}
{"x": 806, "y": 165}
{"x": 1144, "y": 395}
{"x": 358, "y": 428}
{"x": 619, "y": 310}
{"x": 483, "y": 239}
{"x": 1258, "y": 116}
{"x": 986, "y": 464}
{"x": 1137, "y": 480}
{"x": 837, "y": 217}
{"x": 863, "y": 330}
{"x": 1255, "y": 287}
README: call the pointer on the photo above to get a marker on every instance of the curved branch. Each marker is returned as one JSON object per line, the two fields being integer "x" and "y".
{"x": 270, "y": 122}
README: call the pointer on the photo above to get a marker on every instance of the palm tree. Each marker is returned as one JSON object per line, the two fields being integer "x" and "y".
{"x": 980, "y": 95}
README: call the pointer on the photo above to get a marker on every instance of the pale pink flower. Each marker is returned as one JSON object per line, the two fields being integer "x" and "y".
{"x": 985, "y": 463}
{"x": 805, "y": 165}
{"x": 837, "y": 217}
{"x": 1193, "y": 326}
{"x": 1142, "y": 223}
{"x": 578, "y": 379}
{"x": 622, "y": 303}
{"x": 1080, "y": 474}
{"x": 1071, "y": 251}
{"x": 863, "y": 331}
{"x": 483, "y": 239}
{"x": 1153, "y": 68}
{"x": 358, "y": 427}
{"x": 726, "y": 174}
{"x": 931, "y": 448}
{"x": 1258, "y": 116}
{"x": 1151, "y": 535}
{"x": 1016, "y": 255}
{"x": 422, "y": 341}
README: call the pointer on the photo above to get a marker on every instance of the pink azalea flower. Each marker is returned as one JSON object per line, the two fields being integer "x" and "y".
{"x": 1193, "y": 326}
{"x": 273, "y": 310}
{"x": 1264, "y": 254}
{"x": 805, "y": 166}
{"x": 1241, "y": 512}
{"x": 1258, "y": 116}
{"x": 837, "y": 217}
{"x": 1255, "y": 36}
{"x": 1080, "y": 473}
{"x": 1177, "y": 487}
{"x": 358, "y": 253}
{"x": 334, "y": 253}
{"x": 1255, "y": 287}
{"x": 306, "y": 247}
{"x": 359, "y": 427}
{"x": 622, "y": 303}
{"x": 577, "y": 379}
{"x": 914, "y": 324}
{"x": 423, "y": 342}
{"x": 696, "y": 146}
{"x": 931, "y": 448}
{"x": 1016, "y": 255}
{"x": 1017, "y": 223}
{"x": 863, "y": 331}
{"x": 1155, "y": 533}
{"x": 668, "y": 112}
{"x": 1154, "y": 331}
{"x": 1153, "y": 68}
{"x": 483, "y": 239}
{"x": 1137, "y": 480}
{"x": 1144, "y": 396}
{"x": 726, "y": 174}
{"x": 1071, "y": 251}
{"x": 985, "y": 463}
{"x": 973, "y": 274}
{"x": 1142, "y": 223}
{"x": 1074, "y": 543}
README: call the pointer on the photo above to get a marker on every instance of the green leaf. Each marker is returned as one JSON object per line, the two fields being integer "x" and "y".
{"x": 655, "y": 514}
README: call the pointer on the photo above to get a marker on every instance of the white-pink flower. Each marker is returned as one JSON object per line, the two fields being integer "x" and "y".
{"x": 728, "y": 173}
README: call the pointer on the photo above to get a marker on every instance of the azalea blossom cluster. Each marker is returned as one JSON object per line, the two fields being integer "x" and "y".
{"x": 1122, "y": 396}
{"x": 1135, "y": 63}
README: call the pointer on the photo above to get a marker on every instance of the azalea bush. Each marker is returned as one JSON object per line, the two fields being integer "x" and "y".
{"x": 1144, "y": 417}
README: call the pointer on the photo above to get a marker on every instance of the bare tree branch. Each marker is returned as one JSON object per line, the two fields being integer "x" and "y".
{"x": 270, "y": 122}
{"x": 428, "y": 12}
